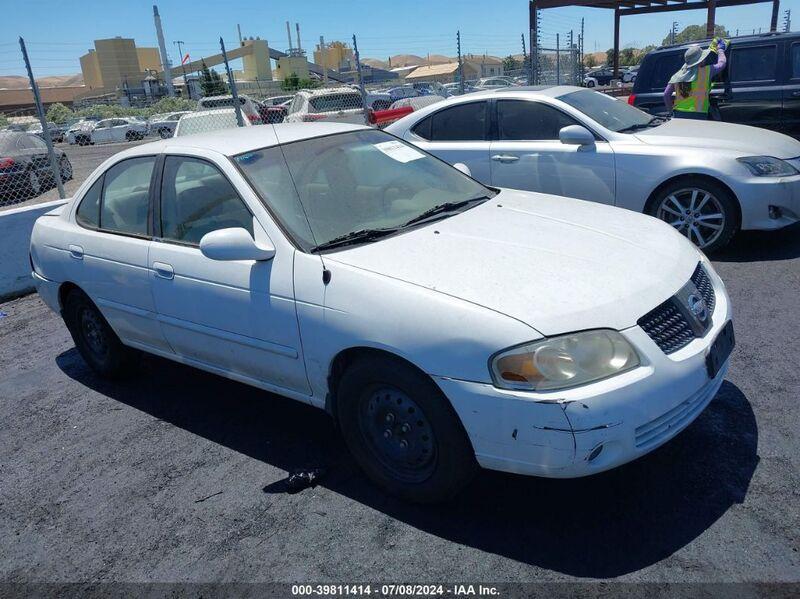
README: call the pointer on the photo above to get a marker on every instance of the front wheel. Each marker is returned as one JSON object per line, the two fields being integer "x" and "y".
{"x": 96, "y": 341}
{"x": 65, "y": 168}
{"x": 402, "y": 431}
{"x": 703, "y": 211}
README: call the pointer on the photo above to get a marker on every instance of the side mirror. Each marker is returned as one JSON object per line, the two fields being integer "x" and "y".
{"x": 234, "y": 244}
{"x": 463, "y": 168}
{"x": 576, "y": 135}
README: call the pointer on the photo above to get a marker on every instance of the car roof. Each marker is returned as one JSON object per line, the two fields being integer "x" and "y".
{"x": 243, "y": 139}
{"x": 550, "y": 91}
{"x": 742, "y": 39}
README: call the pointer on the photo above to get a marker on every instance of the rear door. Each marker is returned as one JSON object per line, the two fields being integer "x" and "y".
{"x": 458, "y": 133}
{"x": 791, "y": 90}
{"x": 751, "y": 93}
{"x": 528, "y": 154}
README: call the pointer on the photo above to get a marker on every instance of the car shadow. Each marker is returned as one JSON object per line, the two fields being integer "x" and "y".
{"x": 602, "y": 526}
{"x": 762, "y": 246}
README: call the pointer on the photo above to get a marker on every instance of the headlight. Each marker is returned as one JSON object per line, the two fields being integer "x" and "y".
{"x": 563, "y": 362}
{"x": 768, "y": 166}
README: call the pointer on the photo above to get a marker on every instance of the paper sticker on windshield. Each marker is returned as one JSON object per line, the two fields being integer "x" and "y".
{"x": 399, "y": 151}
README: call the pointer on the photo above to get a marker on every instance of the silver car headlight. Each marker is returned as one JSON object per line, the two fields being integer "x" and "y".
{"x": 768, "y": 166}
{"x": 564, "y": 361}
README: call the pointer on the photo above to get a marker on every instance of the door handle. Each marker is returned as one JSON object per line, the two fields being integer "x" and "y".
{"x": 75, "y": 251}
{"x": 163, "y": 271}
{"x": 505, "y": 158}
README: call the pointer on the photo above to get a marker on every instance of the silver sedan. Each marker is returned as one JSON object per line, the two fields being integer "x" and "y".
{"x": 707, "y": 179}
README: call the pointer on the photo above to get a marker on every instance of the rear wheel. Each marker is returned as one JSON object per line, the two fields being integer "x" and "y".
{"x": 97, "y": 343}
{"x": 34, "y": 183}
{"x": 402, "y": 431}
{"x": 165, "y": 132}
{"x": 701, "y": 210}
{"x": 65, "y": 168}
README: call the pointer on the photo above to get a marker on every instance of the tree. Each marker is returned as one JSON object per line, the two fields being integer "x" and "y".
{"x": 291, "y": 83}
{"x": 627, "y": 57}
{"x": 693, "y": 33}
{"x": 171, "y": 105}
{"x": 511, "y": 64}
{"x": 58, "y": 113}
{"x": 211, "y": 83}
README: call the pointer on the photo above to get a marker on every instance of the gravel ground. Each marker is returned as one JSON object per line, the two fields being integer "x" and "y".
{"x": 84, "y": 160}
{"x": 178, "y": 475}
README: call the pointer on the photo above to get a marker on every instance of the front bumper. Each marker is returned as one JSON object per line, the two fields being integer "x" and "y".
{"x": 757, "y": 194}
{"x": 582, "y": 431}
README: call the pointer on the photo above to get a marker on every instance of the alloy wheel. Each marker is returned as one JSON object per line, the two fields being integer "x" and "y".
{"x": 696, "y": 213}
{"x": 398, "y": 433}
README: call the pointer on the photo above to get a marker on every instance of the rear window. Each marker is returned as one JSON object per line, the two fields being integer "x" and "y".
{"x": 335, "y": 102}
{"x": 753, "y": 64}
{"x": 220, "y": 102}
{"x": 664, "y": 67}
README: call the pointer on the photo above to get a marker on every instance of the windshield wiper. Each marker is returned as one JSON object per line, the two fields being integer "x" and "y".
{"x": 354, "y": 237}
{"x": 653, "y": 122}
{"x": 445, "y": 208}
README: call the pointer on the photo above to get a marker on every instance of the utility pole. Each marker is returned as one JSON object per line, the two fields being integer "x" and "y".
{"x": 237, "y": 108}
{"x": 571, "y": 56}
{"x": 324, "y": 65}
{"x": 163, "y": 48}
{"x": 54, "y": 166}
{"x": 461, "y": 64}
{"x": 180, "y": 43}
{"x": 525, "y": 58}
{"x": 558, "y": 59}
{"x": 787, "y": 20}
{"x": 360, "y": 77}
{"x": 673, "y": 32}
{"x": 580, "y": 53}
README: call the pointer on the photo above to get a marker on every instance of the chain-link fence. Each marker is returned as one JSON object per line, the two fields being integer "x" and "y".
{"x": 557, "y": 66}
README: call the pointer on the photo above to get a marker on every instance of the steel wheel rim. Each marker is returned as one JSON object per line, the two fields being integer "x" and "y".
{"x": 695, "y": 213}
{"x": 92, "y": 332}
{"x": 397, "y": 433}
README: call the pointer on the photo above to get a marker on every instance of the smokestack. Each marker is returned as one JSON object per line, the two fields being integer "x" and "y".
{"x": 289, "y": 34}
{"x": 297, "y": 26}
{"x": 163, "y": 49}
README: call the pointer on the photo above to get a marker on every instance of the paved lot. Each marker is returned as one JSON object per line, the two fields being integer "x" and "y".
{"x": 177, "y": 475}
{"x": 84, "y": 160}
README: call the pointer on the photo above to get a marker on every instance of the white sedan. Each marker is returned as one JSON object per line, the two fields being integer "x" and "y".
{"x": 707, "y": 179}
{"x": 443, "y": 324}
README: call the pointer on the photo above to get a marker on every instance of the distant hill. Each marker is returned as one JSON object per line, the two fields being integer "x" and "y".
{"x": 20, "y": 82}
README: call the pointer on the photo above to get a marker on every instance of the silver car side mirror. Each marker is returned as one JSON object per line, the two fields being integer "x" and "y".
{"x": 235, "y": 244}
{"x": 463, "y": 168}
{"x": 576, "y": 135}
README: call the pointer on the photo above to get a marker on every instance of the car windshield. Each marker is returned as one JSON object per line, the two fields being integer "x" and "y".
{"x": 360, "y": 182}
{"x": 607, "y": 111}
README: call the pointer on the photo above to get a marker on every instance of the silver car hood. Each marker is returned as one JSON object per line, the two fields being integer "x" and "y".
{"x": 555, "y": 263}
{"x": 711, "y": 135}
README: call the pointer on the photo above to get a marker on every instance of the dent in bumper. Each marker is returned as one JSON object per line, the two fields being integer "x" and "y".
{"x": 48, "y": 291}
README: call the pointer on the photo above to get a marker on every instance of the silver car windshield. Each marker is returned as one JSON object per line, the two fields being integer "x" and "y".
{"x": 355, "y": 187}
{"x": 607, "y": 111}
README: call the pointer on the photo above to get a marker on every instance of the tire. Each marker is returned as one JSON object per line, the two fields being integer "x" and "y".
{"x": 82, "y": 140}
{"x": 383, "y": 403}
{"x": 34, "y": 183}
{"x": 165, "y": 133}
{"x": 701, "y": 209}
{"x": 97, "y": 343}
{"x": 590, "y": 84}
{"x": 65, "y": 168}
{"x": 130, "y": 136}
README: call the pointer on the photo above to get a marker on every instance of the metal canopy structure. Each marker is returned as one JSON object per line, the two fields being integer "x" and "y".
{"x": 641, "y": 7}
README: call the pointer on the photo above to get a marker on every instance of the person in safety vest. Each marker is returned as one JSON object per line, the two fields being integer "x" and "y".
{"x": 692, "y": 83}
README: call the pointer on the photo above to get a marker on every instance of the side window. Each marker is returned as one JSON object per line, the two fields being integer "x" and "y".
{"x": 753, "y": 64}
{"x": 464, "y": 122}
{"x": 423, "y": 128}
{"x": 88, "y": 214}
{"x": 126, "y": 192}
{"x": 664, "y": 68}
{"x": 522, "y": 120}
{"x": 196, "y": 199}
{"x": 795, "y": 57}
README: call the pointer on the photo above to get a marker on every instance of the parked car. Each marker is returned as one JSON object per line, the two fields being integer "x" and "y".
{"x": 278, "y": 100}
{"x": 629, "y": 75}
{"x": 444, "y": 324}
{"x": 338, "y": 104}
{"x": 429, "y": 88}
{"x": 454, "y": 89}
{"x": 204, "y": 121}
{"x": 248, "y": 106}
{"x": 163, "y": 125}
{"x": 25, "y": 170}
{"x": 708, "y": 180}
{"x": 55, "y": 132}
{"x": 402, "y": 91}
{"x": 603, "y": 76}
{"x": 273, "y": 113}
{"x": 493, "y": 83}
{"x": 759, "y": 87}
{"x": 107, "y": 131}
{"x": 589, "y": 81}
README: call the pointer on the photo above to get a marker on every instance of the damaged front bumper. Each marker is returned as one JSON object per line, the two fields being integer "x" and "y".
{"x": 588, "y": 429}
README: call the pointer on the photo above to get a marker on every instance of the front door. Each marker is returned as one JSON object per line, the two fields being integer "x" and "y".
{"x": 236, "y": 316}
{"x": 528, "y": 155}
{"x": 752, "y": 93}
{"x": 102, "y": 132}
{"x": 459, "y": 133}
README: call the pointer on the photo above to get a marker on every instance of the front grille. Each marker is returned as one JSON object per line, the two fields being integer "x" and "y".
{"x": 670, "y": 325}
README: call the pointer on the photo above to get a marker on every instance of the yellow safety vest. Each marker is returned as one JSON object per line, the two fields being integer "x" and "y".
{"x": 697, "y": 100}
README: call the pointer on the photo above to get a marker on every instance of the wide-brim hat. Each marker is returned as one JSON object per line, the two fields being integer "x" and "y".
{"x": 693, "y": 57}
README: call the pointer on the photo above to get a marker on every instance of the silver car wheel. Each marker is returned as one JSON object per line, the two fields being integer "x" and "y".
{"x": 696, "y": 213}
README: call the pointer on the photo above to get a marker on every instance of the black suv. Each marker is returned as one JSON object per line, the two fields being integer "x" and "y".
{"x": 760, "y": 86}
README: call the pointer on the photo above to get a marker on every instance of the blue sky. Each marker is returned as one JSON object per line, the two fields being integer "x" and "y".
{"x": 57, "y": 33}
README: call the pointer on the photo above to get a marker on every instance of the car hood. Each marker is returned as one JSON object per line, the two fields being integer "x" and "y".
{"x": 554, "y": 263}
{"x": 711, "y": 135}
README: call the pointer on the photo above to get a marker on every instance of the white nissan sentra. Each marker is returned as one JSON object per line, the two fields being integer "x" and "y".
{"x": 442, "y": 323}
